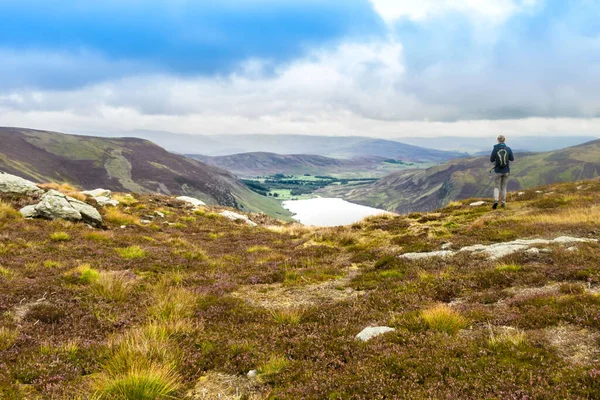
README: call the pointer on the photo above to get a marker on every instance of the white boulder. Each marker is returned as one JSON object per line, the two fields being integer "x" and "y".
{"x": 55, "y": 205}
{"x": 15, "y": 184}
{"x": 97, "y": 193}
{"x": 191, "y": 200}
{"x": 373, "y": 331}
{"x": 235, "y": 217}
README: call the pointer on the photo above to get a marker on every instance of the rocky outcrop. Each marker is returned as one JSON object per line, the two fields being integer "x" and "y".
{"x": 55, "y": 205}
{"x": 14, "y": 184}
{"x": 191, "y": 200}
{"x": 498, "y": 250}
{"x": 235, "y": 217}
{"x": 102, "y": 197}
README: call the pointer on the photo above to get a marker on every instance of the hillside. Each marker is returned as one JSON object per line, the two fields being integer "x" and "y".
{"x": 260, "y": 164}
{"x": 418, "y": 190}
{"x": 132, "y": 165}
{"x": 191, "y": 305}
{"x": 327, "y": 146}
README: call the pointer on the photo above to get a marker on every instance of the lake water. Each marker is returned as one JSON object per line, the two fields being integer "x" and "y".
{"x": 328, "y": 212}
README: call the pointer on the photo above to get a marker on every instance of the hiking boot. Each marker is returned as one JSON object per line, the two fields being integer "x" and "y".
{"x": 495, "y": 206}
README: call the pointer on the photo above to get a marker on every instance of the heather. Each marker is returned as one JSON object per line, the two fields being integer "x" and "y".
{"x": 187, "y": 303}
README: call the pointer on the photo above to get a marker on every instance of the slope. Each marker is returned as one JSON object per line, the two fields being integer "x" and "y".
{"x": 128, "y": 164}
{"x": 417, "y": 190}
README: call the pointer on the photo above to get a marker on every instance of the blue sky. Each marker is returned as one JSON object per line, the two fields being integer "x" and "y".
{"x": 383, "y": 68}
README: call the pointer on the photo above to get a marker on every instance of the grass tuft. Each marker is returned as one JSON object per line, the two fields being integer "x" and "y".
{"x": 287, "y": 316}
{"x": 508, "y": 268}
{"x": 257, "y": 249}
{"x": 8, "y": 337}
{"x": 172, "y": 304}
{"x": 126, "y": 200}
{"x": 138, "y": 383}
{"x": 508, "y": 337}
{"x": 442, "y": 318}
{"x": 112, "y": 286}
{"x": 117, "y": 217}
{"x": 274, "y": 366}
{"x": 60, "y": 237}
{"x": 132, "y": 252}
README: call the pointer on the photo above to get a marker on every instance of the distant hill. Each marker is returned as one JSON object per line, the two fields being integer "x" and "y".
{"x": 479, "y": 145}
{"x": 428, "y": 189}
{"x": 327, "y": 146}
{"x": 132, "y": 165}
{"x": 260, "y": 163}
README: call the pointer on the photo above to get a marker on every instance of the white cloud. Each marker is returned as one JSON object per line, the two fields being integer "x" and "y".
{"x": 417, "y": 10}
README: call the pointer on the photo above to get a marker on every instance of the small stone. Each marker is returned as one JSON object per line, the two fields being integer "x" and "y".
{"x": 123, "y": 226}
{"x": 477, "y": 204}
{"x": 572, "y": 248}
{"x": 160, "y": 214}
{"x": 97, "y": 193}
{"x": 446, "y": 246}
{"x": 29, "y": 212}
{"x": 521, "y": 194}
{"x": 373, "y": 331}
{"x": 533, "y": 251}
{"x": 235, "y": 216}
{"x": 106, "y": 201}
{"x": 145, "y": 221}
{"x": 252, "y": 374}
{"x": 539, "y": 191}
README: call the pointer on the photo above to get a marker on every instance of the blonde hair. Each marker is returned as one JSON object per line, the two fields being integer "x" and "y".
{"x": 501, "y": 139}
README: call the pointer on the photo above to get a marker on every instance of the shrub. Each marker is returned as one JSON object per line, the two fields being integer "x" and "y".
{"x": 442, "y": 318}
{"x": 132, "y": 252}
{"x": 117, "y": 217}
{"x": 60, "y": 237}
{"x": 88, "y": 274}
{"x": 7, "y": 337}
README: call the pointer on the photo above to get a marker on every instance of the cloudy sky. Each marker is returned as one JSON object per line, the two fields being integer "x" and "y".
{"x": 386, "y": 68}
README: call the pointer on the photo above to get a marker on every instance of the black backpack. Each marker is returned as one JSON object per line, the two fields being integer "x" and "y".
{"x": 502, "y": 158}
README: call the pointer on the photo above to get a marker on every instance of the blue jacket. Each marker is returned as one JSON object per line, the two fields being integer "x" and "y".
{"x": 510, "y": 158}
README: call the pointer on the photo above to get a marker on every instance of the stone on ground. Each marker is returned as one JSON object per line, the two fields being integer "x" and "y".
{"x": 15, "y": 184}
{"x": 235, "y": 217}
{"x": 477, "y": 204}
{"x": 55, "y": 205}
{"x": 97, "y": 193}
{"x": 191, "y": 200}
{"x": 373, "y": 331}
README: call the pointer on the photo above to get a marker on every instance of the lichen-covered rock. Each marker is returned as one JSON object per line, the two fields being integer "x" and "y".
{"x": 15, "y": 184}
{"x": 106, "y": 201}
{"x": 55, "y": 205}
{"x": 97, "y": 193}
{"x": 193, "y": 201}
{"x": 373, "y": 331}
{"x": 235, "y": 217}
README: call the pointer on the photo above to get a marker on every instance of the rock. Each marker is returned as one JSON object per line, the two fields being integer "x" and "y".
{"x": 521, "y": 194}
{"x": 190, "y": 200}
{"x": 55, "y": 205}
{"x": 15, "y": 184}
{"x": 252, "y": 374}
{"x": 97, "y": 193}
{"x": 160, "y": 214}
{"x": 477, "y": 204}
{"x": 29, "y": 212}
{"x": 420, "y": 256}
{"x": 572, "y": 249}
{"x": 145, "y": 221}
{"x": 106, "y": 201}
{"x": 373, "y": 331}
{"x": 447, "y": 246}
{"x": 539, "y": 191}
{"x": 498, "y": 250}
{"x": 533, "y": 251}
{"x": 235, "y": 216}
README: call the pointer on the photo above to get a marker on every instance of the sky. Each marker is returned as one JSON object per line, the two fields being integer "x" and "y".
{"x": 381, "y": 68}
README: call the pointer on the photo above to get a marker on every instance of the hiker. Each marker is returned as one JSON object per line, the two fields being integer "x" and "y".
{"x": 502, "y": 155}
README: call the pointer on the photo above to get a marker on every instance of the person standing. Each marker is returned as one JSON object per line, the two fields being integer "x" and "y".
{"x": 502, "y": 155}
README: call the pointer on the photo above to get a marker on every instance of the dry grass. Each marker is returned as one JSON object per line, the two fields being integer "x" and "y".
{"x": 113, "y": 286}
{"x": 118, "y": 217}
{"x": 60, "y": 237}
{"x": 216, "y": 386}
{"x": 137, "y": 383}
{"x": 566, "y": 216}
{"x": 442, "y": 318}
{"x": 287, "y": 316}
{"x": 7, "y": 212}
{"x": 65, "y": 189}
{"x": 98, "y": 236}
{"x": 506, "y": 336}
{"x": 7, "y": 337}
{"x": 131, "y": 252}
{"x": 172, "y": 304}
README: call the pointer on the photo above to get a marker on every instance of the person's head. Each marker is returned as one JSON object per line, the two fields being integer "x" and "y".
{"x": 501, "y": 139}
